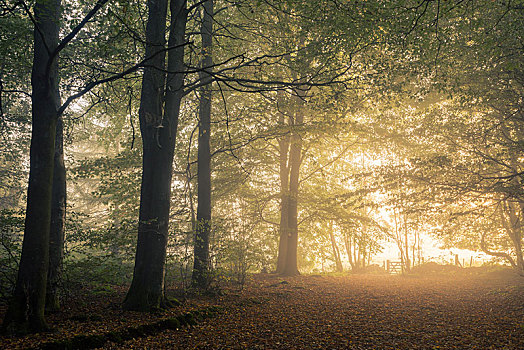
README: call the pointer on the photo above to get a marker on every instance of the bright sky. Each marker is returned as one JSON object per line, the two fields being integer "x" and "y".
{"x": 430, "y": 247}
{"x": 431, "y": 252}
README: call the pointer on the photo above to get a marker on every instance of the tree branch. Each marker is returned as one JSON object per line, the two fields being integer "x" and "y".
{"x": 497, "y": 254}
{"x": 73, "y": 33}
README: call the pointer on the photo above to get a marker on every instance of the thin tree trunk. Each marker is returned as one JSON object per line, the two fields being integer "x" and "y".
{"x": 355, "y": 253}
{"x": 295, "y": 154}
{"x": 408, "y": 264}
{"x": 58, "y": 216}
{"x": 418, "y": 248}
{"x": 336, "y": 252}
{"x": 347, "y": 242}
{"x": 26, "y": 308}
{"x": 363, "y": 246}
{"x": 201, "y": 265}
{"x": 283, "y": 144}
{"x": 518, "y": 251}
{"x": 398, "y": 238}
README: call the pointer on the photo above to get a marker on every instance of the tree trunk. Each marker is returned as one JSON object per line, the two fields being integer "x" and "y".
{"x": 347, "y": 242}
{"x": 336, "y": 252}
{"x": 201, "y": 265}
{"x": 146, "y": 291}
{"x": 26, "y": 308}
{"x": 356, "y": 256}
{"x": 512, "y": 224}
{"x": 516, "y": 207}
{"x": 283, "y": 144}
{"x": 159, "y": 137}
{"x": 408, "y": 263}
{"x": 295, "y": 154}
{"x": 58, "y": 216}
{"x": 518, "y": 252}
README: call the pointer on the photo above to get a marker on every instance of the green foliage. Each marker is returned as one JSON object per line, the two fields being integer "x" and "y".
{"x": 98, "y": 256}
{"x": 11, "y": 233}
{"x": 239, "y": 246}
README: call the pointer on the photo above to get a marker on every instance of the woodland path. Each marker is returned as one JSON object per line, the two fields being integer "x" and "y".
{"x": 362, "y": 312}
{"x": 452, "y": 310}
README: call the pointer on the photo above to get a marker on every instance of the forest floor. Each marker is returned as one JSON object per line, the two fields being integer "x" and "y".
{"x": 458, "y": 310}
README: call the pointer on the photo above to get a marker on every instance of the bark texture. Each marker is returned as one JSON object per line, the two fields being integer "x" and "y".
{"x": 201, "y": 267}
{"x": 295, "y": 160}
{"x": 158, "y": 127}
{"x": 283, "y": 144}
{"x": 26, "y": 308}
{"x": 57, "y": 228}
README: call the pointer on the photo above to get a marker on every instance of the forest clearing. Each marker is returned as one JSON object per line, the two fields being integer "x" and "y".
{"x": 462, "y": 309}
{"x": 158, "y": 155}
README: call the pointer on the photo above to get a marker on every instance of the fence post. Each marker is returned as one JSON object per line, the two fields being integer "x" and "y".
{"x": 457, "y": 260}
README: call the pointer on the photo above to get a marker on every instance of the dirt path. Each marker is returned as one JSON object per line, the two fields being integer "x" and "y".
{"x": 361, "y": 312}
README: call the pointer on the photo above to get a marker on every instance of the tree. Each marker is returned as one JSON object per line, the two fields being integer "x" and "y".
{"x": 290, "y": 203}
{"x": 26, "y": 309}
{"x": 30, "y": 291}
{"x": 478, "y": 124}
{"x": 158, "y": 126}
{"x": 201, "y": 271}
{"x": 58, "y": 216}
{"x": 283, "y": 148}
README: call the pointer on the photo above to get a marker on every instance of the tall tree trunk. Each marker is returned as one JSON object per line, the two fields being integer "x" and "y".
{"x": 159, "y": 137}
{"x": 58, "y": 216}
{"x": 517, "y": 244}
{"x": 336, "y": 252}
{"x": 398, "y": 238}
{"x": 418, "y": 248}
{"x": 347, "y": 242}
{"x": 295, "y": 159}
{"x": 407, "y": 261}
{"x": 201, "y": 265}
{"x": 146, "y": 291}
{"x": 363, "y": 248}
{"x": 356, "y": 256}
{"x": 26, "y": 308}
{"x": 283, "y": 145}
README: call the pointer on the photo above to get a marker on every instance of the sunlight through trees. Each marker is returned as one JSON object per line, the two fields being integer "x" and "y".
{"x": 202, "y": 141}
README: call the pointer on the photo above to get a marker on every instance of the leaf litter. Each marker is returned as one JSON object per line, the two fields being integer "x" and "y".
{"x": 460, "y": 311}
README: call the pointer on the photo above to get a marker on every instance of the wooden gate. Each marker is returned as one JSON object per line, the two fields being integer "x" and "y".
{"x": 394, "y": 266}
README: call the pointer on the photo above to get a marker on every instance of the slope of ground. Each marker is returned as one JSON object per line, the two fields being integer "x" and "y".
{"x": 363, "y": 312}
{"x": 437, "y": 311}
